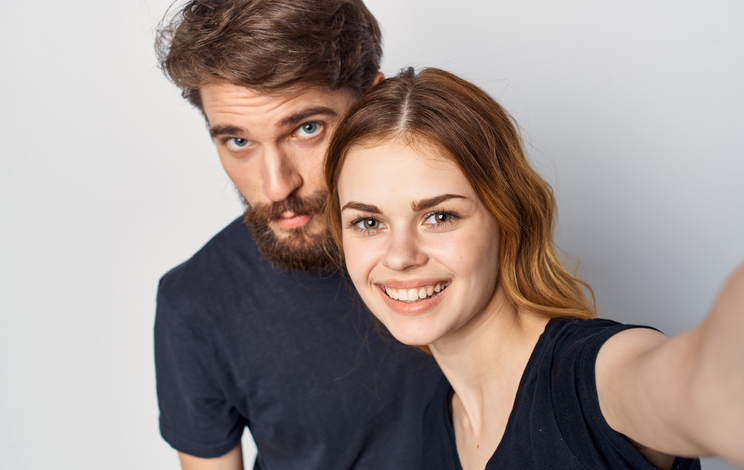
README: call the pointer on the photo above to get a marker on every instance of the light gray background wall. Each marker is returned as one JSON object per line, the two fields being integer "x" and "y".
{"x": 633, "y": 109}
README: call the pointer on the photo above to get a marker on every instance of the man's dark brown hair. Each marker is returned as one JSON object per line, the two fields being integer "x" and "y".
{"x": 270, "y": 44}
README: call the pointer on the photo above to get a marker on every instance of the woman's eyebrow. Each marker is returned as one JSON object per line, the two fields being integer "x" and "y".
{"x": 361, "y": 207}
{"x": 433, "y": 201}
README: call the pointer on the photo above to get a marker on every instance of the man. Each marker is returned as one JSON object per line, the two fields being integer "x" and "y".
{"x": 253, "y": 330}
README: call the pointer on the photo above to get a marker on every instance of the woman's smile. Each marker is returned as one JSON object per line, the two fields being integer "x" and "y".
{"x": 417, "y": 300}
{"x": 414, "y": 294}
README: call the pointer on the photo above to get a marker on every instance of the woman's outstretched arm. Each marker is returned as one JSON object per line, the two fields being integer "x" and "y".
{"x": 684, "y": 395}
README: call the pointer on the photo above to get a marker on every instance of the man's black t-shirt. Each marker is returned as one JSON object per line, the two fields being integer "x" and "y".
{"x": 556, "y": 422}
{"x": 291, "y": 355}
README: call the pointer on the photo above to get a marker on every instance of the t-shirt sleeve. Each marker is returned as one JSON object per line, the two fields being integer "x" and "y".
{"x": 196, "y": 418}
{"x": 576, "y": 402}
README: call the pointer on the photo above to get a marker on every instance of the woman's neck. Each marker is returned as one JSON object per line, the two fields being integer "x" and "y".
{"x": 484, "y": 362}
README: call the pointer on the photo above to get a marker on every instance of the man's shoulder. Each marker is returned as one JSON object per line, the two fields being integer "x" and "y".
{"x": 229, "y": 275}
{"x": 225, "y": 263}
{"x": 230, "y": 250}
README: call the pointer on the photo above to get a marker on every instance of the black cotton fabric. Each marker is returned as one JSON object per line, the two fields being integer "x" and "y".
{"x": 291, "y": 355}
{"x": 556, "y": 422}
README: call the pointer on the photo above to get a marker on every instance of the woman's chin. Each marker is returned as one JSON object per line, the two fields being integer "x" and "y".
{"x": 410, "y": 324}
{"x": 412, "y": 338}
{"x": 413, "y": 343}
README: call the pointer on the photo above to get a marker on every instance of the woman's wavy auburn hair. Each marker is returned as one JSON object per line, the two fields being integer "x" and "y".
{"x": 482, "y": 140}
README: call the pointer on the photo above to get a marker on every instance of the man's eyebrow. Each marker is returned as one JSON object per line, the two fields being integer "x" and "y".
{"x": 292, "y": 120}
{"x": 433, "y": 201}
{"x": 306, "y": 113}
{"x": 225, "y": 130}
{"x": 361, "y": 207}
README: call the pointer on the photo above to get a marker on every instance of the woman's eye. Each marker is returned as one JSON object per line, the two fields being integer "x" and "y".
{"x": 368, "y": 224}
{"x": 308, "y": 129}
{"x": 237, "y": 143}
{"x": 439, "y": 218}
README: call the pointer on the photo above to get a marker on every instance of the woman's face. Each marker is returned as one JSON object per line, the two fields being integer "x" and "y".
{"x": 420, "y": 247}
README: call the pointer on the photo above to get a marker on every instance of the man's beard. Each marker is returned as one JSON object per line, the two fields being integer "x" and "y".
{"x": 298, "y": 249}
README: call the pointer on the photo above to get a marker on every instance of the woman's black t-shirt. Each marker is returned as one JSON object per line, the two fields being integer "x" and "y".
{"x": 556, "y": 422}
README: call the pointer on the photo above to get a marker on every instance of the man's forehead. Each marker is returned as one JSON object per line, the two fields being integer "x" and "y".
{"x": 222, "y": 94}
{"x": 226, "y": 104}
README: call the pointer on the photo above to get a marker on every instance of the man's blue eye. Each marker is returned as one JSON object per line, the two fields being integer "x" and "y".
{"x": 308, "y": 129}
{"x": 238, "y": 142}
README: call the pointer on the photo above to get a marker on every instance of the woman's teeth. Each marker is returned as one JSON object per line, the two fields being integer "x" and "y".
{"x": 413, "y": 295}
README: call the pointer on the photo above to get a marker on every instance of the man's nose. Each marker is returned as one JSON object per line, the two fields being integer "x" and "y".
{"x": 404, "y": 251}
{"x": 280, "y": 176}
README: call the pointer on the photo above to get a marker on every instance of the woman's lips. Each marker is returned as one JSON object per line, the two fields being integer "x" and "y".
{"x": 413, "y": 300}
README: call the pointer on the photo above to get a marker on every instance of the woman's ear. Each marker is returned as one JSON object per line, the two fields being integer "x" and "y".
{"x": 379, "y": 76}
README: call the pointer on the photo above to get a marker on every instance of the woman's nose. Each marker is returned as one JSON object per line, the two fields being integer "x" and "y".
{"x": 404, "y": 252}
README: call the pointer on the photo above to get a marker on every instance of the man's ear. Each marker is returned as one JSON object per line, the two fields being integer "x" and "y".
{"x": 379, "y": 76}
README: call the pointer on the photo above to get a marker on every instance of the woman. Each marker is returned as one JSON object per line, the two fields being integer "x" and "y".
{"x": 446, "y": 232}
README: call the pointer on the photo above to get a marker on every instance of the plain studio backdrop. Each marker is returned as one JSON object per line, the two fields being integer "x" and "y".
{"x": 633, "y": 110}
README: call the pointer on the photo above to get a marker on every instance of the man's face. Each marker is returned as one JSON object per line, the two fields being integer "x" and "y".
{"x": 272, "y": 147}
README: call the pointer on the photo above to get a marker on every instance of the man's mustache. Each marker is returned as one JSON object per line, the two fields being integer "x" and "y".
{"x": 265, "y": 213}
